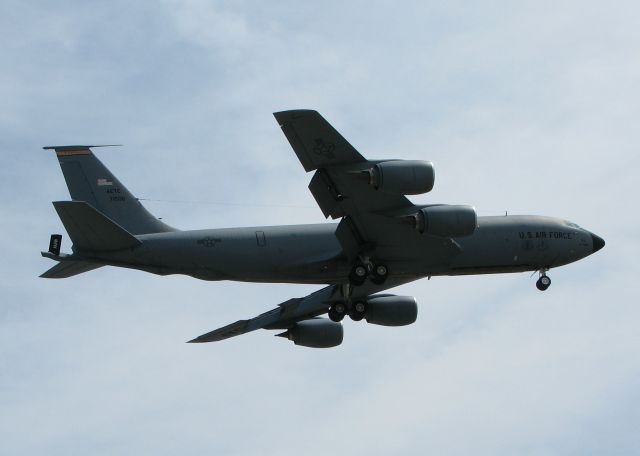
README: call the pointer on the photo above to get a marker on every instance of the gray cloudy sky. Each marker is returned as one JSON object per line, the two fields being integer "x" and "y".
{"x": 531, "y": 107}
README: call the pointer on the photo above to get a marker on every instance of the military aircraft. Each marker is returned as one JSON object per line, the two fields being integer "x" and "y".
{"x": 382, "y": 240}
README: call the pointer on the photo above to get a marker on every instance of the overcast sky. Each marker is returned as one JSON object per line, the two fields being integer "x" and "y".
{"x": 529, "y": 107}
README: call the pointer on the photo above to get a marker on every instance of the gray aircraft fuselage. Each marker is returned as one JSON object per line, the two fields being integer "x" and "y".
{"x": 382, "y": 240}
{"x": 312, "y": 253}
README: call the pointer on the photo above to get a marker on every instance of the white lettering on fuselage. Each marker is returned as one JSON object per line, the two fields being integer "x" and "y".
{"x": 546, "y": 235}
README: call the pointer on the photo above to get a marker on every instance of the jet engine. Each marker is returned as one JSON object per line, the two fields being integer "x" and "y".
{"x": 390, "y": 310}
{"x": 403, "y": 177}
{"x": 315, "y": 333}
{"x": 446, "y": 220}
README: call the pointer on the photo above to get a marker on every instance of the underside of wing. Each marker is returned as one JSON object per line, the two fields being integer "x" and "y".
{"x": 285, "y": 316}
{"x": 299, "y": 317}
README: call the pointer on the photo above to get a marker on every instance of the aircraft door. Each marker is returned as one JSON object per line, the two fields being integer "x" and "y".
{"x": 261, "y": 239}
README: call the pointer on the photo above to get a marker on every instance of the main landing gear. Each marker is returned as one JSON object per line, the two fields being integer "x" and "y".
{"x": 356, "y": 308}
{"x": 544, "y": 281}
{"x": 378, "y": 272}
{"x": 337, "y": 311}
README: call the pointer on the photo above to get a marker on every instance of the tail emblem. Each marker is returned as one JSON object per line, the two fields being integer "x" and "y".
{"x": 55, "y": 243}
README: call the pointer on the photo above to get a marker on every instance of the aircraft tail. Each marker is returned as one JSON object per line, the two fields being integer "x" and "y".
{"x": 90, "y": 231}
{"x": 90, "y": 181}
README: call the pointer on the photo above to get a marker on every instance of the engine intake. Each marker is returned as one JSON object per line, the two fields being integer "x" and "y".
{"x": 390, "y": 310}
{"x": 315, "y": 333}
{"x": 445, "y": 220}
{"x": 403, "y": 177}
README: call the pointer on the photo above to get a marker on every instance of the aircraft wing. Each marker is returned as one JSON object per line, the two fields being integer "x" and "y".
{"x": 282, "y": 317}
{"x": 373, "y": 222}
{"x": 316, "y": 143}
{"x": 287, "y": 314}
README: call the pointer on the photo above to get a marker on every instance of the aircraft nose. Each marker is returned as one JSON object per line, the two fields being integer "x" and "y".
{"x": 598, "y": 242}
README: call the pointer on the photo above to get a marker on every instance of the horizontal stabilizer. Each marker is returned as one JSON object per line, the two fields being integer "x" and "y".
{"x": 66, "y": 269}
{"x": 89, "y": 229}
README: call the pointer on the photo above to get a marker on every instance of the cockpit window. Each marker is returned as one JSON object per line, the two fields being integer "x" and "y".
{"x": 573, "y": 225}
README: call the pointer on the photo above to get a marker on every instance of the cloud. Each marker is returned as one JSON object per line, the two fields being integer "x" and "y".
{"x": 527, "y": 108}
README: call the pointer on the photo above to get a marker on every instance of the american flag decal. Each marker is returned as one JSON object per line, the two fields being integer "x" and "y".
{"x": 103, "y": 182}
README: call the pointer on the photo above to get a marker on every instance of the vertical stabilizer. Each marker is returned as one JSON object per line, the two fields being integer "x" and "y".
{"x": 90, "y": 181}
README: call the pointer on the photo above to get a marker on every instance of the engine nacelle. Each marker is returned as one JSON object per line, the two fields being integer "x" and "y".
{"x": 446, "y": 220}
{"x": 315, "y": 333}
{"x": 389, "y": 310}
{"x": 403, "y": 177}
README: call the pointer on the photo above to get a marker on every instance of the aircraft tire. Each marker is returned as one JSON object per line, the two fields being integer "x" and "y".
{"x": 337, "y": 311}
{"x": 379, "y": 274}
{"x": 358, "y": 310}
{"x": 543, "y": 283}
{"x": 358, "y": 274}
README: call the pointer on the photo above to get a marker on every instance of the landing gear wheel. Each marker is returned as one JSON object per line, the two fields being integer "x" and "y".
{"x": 358, "y": 274}
{"x": 337, "y": 311}
{"x": 379, "y": 274}
{"x": 358, "y": 310}
{"x": 543, "y": 283}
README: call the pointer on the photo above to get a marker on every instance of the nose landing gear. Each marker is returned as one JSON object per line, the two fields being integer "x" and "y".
{"x": 544, "y": 281}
